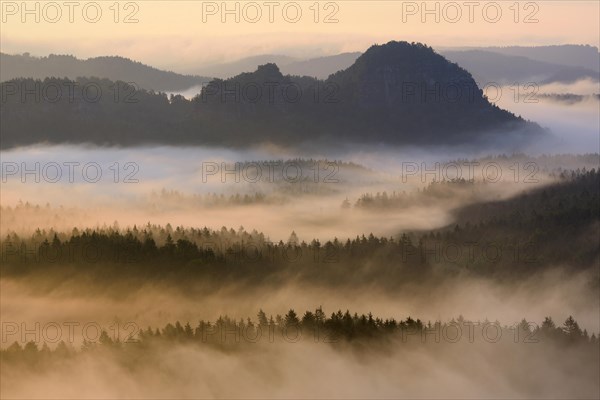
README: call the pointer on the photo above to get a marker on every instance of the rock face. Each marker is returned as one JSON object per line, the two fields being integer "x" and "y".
{"x": 396, "y": 93}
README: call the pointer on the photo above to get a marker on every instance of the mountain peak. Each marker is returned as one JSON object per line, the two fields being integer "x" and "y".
{"x": 397, "y": 47}
{"x": 269, "y": 70}
{"x": 407, "y": 62}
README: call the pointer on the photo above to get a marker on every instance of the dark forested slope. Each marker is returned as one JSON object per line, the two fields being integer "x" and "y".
{"x": 397, "y": 93}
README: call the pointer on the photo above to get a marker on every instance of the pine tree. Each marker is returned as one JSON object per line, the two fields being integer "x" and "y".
{"x": 262, "y": 318}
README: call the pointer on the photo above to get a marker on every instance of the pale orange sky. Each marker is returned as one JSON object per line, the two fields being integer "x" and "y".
{"x": 172, "y": 34}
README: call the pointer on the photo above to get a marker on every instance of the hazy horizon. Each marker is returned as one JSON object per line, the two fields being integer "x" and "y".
{"x": 193, "y": 34}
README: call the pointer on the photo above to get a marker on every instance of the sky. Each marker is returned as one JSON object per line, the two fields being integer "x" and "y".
{"x": 182, "y": 35}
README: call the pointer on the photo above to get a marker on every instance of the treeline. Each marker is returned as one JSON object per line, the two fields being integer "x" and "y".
{"x": 338, "y": 329}
{"x": 455, "y": 187}
{"x": 551, "y": 164}
{"x": 213, "y": 199}
{"x": 553, "y": 225}
{"x": 434, "y": 191}
{"x": 510, "y": 238}
{"x": 464, "y": 177}
{"x": 573, "y": 198}
{"x": 185, "y": 255}
{"x": 346, "y": 326}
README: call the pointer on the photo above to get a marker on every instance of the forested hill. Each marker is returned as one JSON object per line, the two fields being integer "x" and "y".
{"x": 397, "y": 93}
{"x": 113, "y": 68}
{"x": 546, "y": 227}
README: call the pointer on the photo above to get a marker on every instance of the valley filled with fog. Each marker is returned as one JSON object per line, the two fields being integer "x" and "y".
{"x": 420, "y": 219}
{"x": 368, "y": 193}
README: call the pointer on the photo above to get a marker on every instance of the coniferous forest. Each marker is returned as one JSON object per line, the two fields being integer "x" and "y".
{"x": 312, "y": 200}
